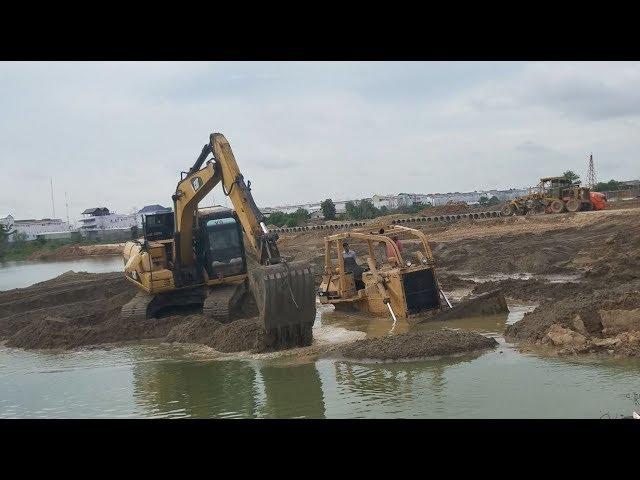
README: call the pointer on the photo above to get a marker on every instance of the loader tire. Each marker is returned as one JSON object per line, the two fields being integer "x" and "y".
{"x": 573, "y": 205}
{"x": 557, "y": 206}
{"x": 507, "y": 211}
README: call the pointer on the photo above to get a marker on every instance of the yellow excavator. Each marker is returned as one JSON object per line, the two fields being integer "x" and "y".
{"x": 196, "y": 257}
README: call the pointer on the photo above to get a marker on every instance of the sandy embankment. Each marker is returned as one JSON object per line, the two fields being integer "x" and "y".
{"x": 67, "y": 252}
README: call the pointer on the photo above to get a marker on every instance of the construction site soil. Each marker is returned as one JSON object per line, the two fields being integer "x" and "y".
{"x": 598, "y": 311}
{"x": 415, "y": 345}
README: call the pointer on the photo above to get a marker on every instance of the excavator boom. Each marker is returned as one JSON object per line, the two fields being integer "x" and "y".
{"x": 284, "y": 292}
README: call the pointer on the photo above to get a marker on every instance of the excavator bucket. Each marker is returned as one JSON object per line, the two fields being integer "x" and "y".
{"x": 285, "y": 294}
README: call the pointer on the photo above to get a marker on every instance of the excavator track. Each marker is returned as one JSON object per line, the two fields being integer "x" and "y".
{"x": 221, "y": 301}
{"x": 136, "y": 308}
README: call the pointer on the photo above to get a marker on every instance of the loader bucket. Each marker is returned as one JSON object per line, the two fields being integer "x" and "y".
{"x": 285, "y": 294}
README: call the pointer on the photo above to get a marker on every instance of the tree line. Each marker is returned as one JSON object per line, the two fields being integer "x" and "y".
{"x": 362, "y": 210}
{"x": 611, "y": 185}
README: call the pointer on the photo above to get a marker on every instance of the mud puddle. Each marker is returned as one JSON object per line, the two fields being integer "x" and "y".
{"x": 497, "y": 277}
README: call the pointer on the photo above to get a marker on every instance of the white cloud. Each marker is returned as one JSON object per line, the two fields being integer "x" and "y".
{"x": 118, "y": 134}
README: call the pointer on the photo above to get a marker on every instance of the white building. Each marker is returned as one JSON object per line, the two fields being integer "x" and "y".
{"x": 31, "y": 228}
{"x": 317, "y": 214}
{"x": 467, "y": 197}
{"x": 389, "y": 201}
{"x": 407, "y": 199}
{"x": 100, "y": 218}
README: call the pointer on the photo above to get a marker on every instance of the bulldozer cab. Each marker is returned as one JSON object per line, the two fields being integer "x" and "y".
{"x": 383, "y": 272}
{"x": 555, "y": 187}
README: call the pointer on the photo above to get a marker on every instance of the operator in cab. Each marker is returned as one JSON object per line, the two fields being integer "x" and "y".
{"x": 351, "y": 266}
{"x": 390, "y": 252}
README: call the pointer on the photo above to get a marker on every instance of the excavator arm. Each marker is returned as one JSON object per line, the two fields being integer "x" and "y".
{"x": 284, "y": 292}
{"x": 252, "y": 220}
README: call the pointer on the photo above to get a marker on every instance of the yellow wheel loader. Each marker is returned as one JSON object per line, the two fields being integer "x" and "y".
{"x": 553, "y": 195}
{"x": 196, "y": 257}
{"x": 391, "y": 282}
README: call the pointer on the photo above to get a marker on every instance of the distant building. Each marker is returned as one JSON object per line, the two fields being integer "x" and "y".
{"x": 407, "y": 199}
{"x": 631, "y": 183}
{"x": 389, "y": 201}
{"x": 100, "y": 218}
{"x": 31, "y": 228}
{"x": 317, "y": 214}
{"x": 153, "y": 209}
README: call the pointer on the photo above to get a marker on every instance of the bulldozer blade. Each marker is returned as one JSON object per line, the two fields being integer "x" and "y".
{"x": 285, "y": 294}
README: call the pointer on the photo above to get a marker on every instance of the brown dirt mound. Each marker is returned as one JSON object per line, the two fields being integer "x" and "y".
{"x": 84, "y": 298}
{"x": 534, "y": 289}
{"x": 240, "y": 335}
{"x": 416, "y": 345}
{"x": 445, "y": 209}
{"x": 78, "y": 251}
{"x": 588, "y": 319}
{"x": 451, "y": 281}
{"x": 196, "y": 329}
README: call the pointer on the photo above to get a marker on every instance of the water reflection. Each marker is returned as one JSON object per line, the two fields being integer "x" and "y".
{"x": 408, "y": 387}
{"x": 236, "y": 389}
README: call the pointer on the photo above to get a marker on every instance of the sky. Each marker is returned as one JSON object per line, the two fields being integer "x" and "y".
{"x": 117, "y": 134}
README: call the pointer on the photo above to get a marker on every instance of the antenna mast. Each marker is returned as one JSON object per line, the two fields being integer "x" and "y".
{"x": 53, "y": 206}
{"x": 591, "y": 176}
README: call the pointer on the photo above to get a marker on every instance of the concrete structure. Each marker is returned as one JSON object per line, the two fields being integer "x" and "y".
{"x": 31, "y": 228}
{"x": 100, "y": 218}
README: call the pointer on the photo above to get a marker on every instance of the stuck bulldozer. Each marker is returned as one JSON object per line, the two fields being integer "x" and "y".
{"x": 555, "y": 195}
{"x": 390, "y": 283}
{"x": 196, "y": 258}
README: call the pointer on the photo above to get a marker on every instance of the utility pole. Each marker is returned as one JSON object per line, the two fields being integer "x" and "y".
{"x": 53, "y": 206}
{"x": 66, "y": 204}
{"x": 591, "y": 176}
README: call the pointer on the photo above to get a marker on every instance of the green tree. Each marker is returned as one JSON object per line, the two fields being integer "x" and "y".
{"x": 19, "y": 238}
{"x": 571, "y": 175}
{"x": 483, "y": 201}
{"x": 278, "y": 218}
{"x": 493, "y": 201}
{"x": 411, "y": 209}
{"x": 328, "y": 209}
{"x": 351, "y": 210}
{"x": 363, "y": 210}
{"x": 607, "y": 186}
{"x": 367, "y": 209}
{"x": 5, "y": 231}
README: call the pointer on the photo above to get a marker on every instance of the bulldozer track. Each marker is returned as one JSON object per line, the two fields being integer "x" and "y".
{"x": 220, "y": 301}
{"x": 136, "y": 308}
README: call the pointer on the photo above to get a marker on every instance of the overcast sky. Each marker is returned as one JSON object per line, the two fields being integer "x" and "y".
{"x": 117, "y": 134}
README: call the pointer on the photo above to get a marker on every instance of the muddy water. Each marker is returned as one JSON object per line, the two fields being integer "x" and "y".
{"x": 167, "y": 381}
{"x": 24, "y": 273}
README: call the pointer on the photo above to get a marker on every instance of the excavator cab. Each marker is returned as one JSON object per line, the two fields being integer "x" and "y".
{"x": 158, "y": 226}
{"x": 219, "y": 244}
